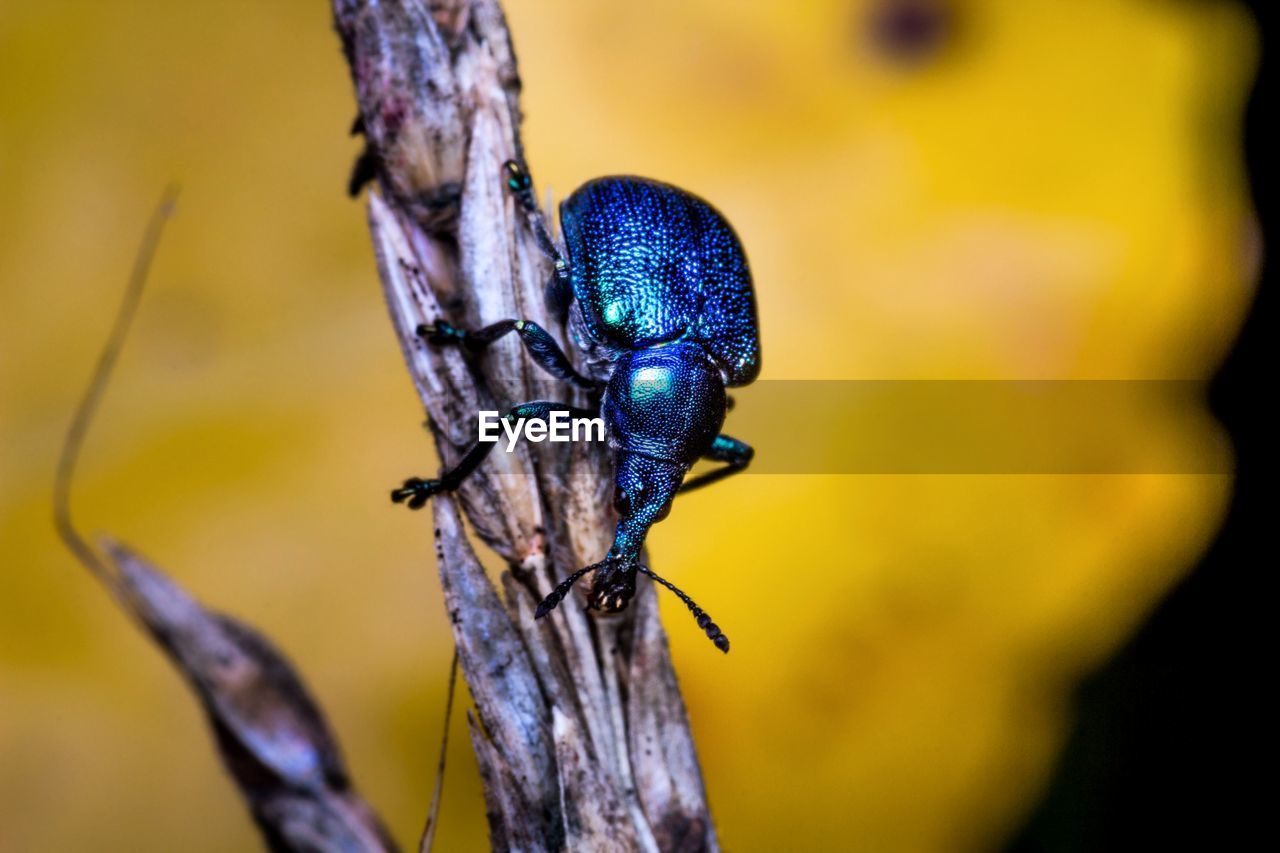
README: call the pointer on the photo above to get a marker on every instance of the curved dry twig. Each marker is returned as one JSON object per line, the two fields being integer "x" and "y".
{"x": 270, "y": 732}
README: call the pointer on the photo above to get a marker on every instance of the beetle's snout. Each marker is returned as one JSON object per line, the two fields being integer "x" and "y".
{"x": 640, "y": 501}
{"x": 613, "y": 589}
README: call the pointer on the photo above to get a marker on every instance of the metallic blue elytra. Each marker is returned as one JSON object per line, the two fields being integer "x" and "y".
{"x": 650, "y": 264}
{"x": 661, "y": 307}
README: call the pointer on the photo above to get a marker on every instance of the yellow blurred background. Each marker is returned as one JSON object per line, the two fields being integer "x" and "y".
{"x": 1054, "y": 190}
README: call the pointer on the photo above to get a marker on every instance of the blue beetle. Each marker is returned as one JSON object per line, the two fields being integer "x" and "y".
{"x": 660, "y": 305}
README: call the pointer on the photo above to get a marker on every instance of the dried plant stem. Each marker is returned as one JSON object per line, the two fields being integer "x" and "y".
{"x": 579, "y": 728}
{"x": 271, "y": 734}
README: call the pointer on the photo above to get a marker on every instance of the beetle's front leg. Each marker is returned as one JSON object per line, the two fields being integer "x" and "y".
{"x": 520, "y": 183}
{"x": 542, "y": 348}
{"x": 416, "y": 491}
{"x": 735, "y": 454}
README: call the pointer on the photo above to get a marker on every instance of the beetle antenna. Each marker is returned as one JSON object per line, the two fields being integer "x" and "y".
{"x": 557, "y": 595}
{"x": 704, "y": 621}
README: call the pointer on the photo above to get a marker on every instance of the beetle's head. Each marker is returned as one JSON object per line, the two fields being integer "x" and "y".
{"x": 643, "y": 486}
{"x": 615, "y": 585}
{"x": 612, "y": 588}
{"x": 642, "y": 493}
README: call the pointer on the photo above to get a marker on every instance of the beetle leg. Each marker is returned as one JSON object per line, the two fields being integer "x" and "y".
{"x": 521, "y": 185}
{"x": 542, "y": 348}
{"x": 558, "y": 296}
{"x": 415, "y": 491}
{"x": 735, "y": 454}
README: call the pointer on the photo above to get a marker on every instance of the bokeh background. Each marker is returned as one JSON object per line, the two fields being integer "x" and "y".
{"x": 1018, "y": 189}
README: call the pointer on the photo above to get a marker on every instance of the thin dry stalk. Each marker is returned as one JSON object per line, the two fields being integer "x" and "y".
{"x": 270, "y": 733}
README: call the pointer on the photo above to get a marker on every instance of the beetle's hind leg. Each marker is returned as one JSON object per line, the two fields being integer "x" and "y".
{"x": 416, "y": 491}
{"x": 735, "y": 454}
{"x": 542, "y": 348}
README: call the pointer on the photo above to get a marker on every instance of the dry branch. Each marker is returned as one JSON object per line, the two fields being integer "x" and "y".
{"x": 270, "y": 732}
{"x": 579, "y": 728}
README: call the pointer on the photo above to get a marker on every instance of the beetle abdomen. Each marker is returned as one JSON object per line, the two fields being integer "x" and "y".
{"x": 651, "y": 263}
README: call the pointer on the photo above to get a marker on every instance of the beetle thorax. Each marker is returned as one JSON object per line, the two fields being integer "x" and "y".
{"x": 667, "y": 402}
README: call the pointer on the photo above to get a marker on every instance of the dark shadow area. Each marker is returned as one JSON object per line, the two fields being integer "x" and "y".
{"x": 1171, "y": 746}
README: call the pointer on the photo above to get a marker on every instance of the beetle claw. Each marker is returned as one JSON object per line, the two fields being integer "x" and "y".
{"x": 520, "y": 183}
{"x": 415, "y": 492}
{"x": 439, "y": 333}
{"x": 518, "y": 179}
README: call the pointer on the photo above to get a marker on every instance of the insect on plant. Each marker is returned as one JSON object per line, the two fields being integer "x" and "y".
{"x": 659, "y": 302}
